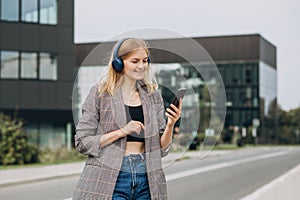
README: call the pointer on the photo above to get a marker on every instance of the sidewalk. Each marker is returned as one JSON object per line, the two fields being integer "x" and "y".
{"x": 29, "y": 174}
{"x": 283, "y": 187}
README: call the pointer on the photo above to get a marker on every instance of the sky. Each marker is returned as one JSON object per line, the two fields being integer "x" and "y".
{"x": 275, "y": 20}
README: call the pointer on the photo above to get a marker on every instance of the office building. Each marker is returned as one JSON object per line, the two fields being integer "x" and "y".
{"x": 37, "y": 56}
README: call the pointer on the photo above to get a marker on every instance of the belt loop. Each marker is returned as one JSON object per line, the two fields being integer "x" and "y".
{"x": 130, "y": 159}
{"x": 142, "y": 157}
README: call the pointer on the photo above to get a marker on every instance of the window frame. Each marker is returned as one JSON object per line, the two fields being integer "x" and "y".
{"x": 39, "y": 21}
{"x": 56, "y": 66}
{"x": 38, "y": 65}
{"x": 18, "y": 63}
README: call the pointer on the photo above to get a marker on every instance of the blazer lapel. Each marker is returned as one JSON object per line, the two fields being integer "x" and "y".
{"x": 119, "y": 109}
{"x": 148, "y": 110}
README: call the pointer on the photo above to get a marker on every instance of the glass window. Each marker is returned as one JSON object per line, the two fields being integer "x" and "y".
{"x": 236, "y": 73}
{"x": 267, "y": 86}
{"x": 222, "y": 72}
{"x": 228, "y": 74}
{"x": 29, "y": 10}
{"x": 9, "y": 64}
{"x": 229, "y": 118}
{"x": 236, "y": 117}
{"x": 247, "y": 74}
{"x": 10, "y": 10}
{"x": 46, "y": 135}
{"x": 32, "y": 133}
{"x": 48, "y": 12}
{"x": 28, "y": 65}
{"x": 254, "y": 73}
{"x": 59, "y": 136}
{"x": 48, "y": 66}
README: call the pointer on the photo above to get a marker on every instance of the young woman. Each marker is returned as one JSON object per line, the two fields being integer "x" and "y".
{"x": 123, "y": 130}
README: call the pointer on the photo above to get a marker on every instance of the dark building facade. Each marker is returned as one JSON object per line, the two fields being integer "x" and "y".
{"x": 37, "y": 60}
{"x": 39, "y": 63}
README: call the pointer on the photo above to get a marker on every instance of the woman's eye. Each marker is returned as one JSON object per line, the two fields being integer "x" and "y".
{"x": 135, "y": 61}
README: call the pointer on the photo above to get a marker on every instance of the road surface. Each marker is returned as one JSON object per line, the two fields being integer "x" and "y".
{"x": 229, "y": 176}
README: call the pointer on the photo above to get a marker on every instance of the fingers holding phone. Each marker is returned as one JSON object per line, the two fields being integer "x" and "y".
{"x": 174, "y": 111}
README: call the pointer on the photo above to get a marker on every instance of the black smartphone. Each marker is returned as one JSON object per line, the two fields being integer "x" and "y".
{"x": 180, "y": 94}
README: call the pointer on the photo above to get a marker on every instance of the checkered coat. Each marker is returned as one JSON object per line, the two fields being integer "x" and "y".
{"x": 104, "y": 114}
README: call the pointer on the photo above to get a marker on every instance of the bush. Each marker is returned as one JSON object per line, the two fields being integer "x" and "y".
{"x": 13, "y": 143}
{"x": 59, "y": 155}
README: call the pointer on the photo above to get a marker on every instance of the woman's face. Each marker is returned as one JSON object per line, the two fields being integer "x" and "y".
{"x": 135, "y": 64}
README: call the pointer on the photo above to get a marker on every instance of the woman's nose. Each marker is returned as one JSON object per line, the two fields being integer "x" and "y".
{"x": 142, "y": 65}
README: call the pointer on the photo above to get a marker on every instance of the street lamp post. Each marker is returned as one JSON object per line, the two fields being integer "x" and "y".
{"x": 255, "y": 125}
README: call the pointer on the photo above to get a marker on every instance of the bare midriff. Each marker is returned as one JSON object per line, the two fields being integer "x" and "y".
{"x": 134, "y": 148}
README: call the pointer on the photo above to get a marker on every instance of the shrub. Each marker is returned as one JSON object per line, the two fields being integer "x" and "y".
{"x": 59, "y": 155}
{"x": 13, "y": 143}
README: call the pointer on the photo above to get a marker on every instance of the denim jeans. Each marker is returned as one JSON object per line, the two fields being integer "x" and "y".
{"x": 132, "y": 182}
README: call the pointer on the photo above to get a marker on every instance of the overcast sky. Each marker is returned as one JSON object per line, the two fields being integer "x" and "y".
{"x": 276, "y": 20}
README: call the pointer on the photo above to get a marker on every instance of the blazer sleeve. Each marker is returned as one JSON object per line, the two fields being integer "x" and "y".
{"x": 87, "y": 141}
{"x": 161, "y": 120}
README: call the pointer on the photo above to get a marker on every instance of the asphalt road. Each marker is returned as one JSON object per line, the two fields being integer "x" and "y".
{"x": 229, "y": 176}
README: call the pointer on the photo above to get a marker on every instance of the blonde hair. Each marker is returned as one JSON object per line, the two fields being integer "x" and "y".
{"x": 114, "y": 79}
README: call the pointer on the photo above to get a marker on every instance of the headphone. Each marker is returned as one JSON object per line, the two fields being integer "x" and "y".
{"x": 117, "y": 62}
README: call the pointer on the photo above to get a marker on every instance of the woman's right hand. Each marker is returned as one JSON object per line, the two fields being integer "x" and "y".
{"x": 132, "y": 126}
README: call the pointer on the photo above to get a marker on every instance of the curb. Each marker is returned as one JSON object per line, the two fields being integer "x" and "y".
{"x": 11, "y": 177}
{"x": 14, "y": 183}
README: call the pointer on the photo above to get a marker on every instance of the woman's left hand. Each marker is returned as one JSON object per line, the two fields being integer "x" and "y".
{"x": 174, "y": 113}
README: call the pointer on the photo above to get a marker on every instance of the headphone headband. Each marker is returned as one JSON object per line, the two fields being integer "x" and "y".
{"x": 117, "y": 48}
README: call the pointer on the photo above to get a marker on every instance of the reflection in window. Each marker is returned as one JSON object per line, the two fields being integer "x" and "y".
{"x": 28, "y": 65}
{"x": 58, "y": 138}
{"x": 10, "y": 10}
{"x": 32, "y": 133}
{"x": 48, "y": 66}
{"x": 9, "y": 64}
{"x": 29, "y": 10}
{"x": 236, "y": 73}
{"x": 267, "y": 86}
{"x": 45, "y": 136}
{"x": 48, "y": 12}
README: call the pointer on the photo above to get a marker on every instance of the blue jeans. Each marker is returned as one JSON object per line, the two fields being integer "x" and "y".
{"x": 132, "y": 182}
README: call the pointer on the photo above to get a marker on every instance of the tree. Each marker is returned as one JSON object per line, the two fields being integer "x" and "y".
{"x": 288, "y": 124}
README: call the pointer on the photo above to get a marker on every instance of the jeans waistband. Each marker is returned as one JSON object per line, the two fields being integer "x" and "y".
{"x": 135, "y": 157}
{"x": 134, "y": 163}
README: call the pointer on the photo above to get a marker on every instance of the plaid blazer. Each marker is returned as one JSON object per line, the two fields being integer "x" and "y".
{"x": 104, "y": 114}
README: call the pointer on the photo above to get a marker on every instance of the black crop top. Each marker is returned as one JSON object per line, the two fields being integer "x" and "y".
{"x": 135, "y": 113}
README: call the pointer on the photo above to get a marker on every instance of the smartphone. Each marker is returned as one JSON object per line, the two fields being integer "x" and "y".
{"x": 180, "y": 94}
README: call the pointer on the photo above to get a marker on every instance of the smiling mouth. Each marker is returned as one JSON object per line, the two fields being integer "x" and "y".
{"x": 138, "y": 71}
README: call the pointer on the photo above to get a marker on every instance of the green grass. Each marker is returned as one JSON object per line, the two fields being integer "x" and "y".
{"x": 219, "y": 147}
{"x": 5, "y": 167}
{"x": 226, "y": 147}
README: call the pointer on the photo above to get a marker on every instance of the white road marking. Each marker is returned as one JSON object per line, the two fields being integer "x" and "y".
{"x": 257, "y": 194}
{"x": 200, "y": 170}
